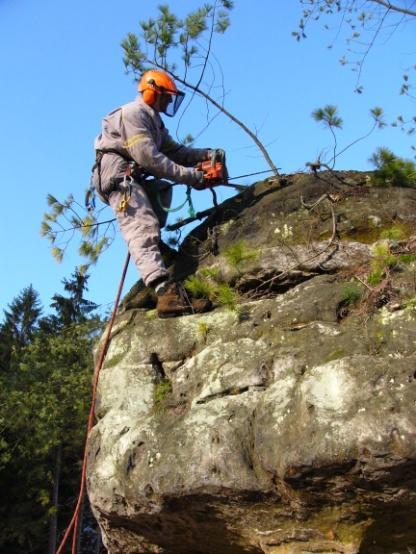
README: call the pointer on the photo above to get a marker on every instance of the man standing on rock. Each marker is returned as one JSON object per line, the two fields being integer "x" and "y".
{"x": 133, "y": 146}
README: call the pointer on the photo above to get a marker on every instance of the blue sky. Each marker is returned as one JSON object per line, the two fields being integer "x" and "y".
{"x": 61, "y": 71}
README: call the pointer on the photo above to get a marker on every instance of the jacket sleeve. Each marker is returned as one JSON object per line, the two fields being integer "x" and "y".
{"x": 140, "y": 143}
{"x": 180, "y": 153}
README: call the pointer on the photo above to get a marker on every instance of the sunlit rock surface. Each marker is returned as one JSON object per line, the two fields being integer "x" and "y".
{"x": 284, "y": 425}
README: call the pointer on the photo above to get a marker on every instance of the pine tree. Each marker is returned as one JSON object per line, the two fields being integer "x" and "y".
{"x": 44, "y": 402}
{"x": 74, "y": 308}
{"x": 20, "y": 323}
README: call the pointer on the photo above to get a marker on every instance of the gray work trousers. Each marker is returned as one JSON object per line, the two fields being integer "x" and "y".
{"x": 140, "y": 225}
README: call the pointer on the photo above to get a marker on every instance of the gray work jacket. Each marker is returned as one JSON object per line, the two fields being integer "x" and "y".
{"x": 137, "y": 131}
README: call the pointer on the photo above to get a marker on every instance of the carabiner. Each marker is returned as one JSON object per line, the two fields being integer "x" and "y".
{"x": 126, "y": 187}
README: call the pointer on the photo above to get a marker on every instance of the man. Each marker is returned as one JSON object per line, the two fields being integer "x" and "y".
{"x": 133, "y": 145}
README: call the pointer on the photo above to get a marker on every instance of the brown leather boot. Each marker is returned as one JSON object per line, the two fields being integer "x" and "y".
{"x": 174, "y": 301}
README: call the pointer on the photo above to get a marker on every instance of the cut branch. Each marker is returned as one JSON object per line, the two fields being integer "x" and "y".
{"x": 221, "y": 108}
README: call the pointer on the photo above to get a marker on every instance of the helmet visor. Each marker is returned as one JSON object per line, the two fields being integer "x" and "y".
{"x": 174, "y": 104}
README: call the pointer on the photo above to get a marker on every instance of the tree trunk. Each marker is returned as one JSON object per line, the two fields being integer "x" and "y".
{"x": 53, "y": 520}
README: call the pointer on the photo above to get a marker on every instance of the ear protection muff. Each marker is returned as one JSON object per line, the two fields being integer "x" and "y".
{"x": 150, "y": 94}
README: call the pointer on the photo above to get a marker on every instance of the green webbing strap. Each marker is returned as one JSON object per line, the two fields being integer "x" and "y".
{"x": 188, "y": 200}
{"x": 191, "y": 209}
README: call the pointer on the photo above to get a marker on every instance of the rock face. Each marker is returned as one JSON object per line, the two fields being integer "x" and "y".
{"x": 285, "y": 423}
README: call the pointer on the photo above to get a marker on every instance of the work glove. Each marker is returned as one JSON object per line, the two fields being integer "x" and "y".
{"x": 200, "y": 183}
{"x": 217, "y": 155}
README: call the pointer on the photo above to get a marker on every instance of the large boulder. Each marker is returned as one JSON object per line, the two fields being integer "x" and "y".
{"x": 285, "y": 420}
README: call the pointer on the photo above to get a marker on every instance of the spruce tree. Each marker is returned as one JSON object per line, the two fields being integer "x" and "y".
{"x": 44, "y": 402}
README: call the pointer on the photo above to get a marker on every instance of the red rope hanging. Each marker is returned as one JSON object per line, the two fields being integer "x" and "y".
{"x": 74, "y": 523}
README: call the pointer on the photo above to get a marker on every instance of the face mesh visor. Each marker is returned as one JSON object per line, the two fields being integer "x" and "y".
{"x": 174, "y": 104}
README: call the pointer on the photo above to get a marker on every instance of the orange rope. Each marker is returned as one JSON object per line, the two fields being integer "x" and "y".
{"x": 75, "y": 518}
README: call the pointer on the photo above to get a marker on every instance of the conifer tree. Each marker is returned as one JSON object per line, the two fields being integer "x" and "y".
{"x": 20, "y": 323}
{"x": 44, "y": 402}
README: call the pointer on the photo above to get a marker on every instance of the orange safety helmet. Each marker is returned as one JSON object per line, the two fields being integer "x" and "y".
{"x": 155, "y": 82}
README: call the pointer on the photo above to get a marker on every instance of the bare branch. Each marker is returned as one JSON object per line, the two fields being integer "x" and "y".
{"x": 97, "y": 224}
{"x": 201, "y": 76}
{"x": 225, "y": 112}
{"x": 370, "y": 46}
{"x": 394, "y": 8}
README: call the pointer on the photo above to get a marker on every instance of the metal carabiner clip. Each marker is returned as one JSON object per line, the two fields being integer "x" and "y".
{"x": 126, "y": 187}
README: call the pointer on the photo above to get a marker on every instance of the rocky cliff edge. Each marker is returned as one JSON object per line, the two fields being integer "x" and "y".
{"x": 283, "y": 421}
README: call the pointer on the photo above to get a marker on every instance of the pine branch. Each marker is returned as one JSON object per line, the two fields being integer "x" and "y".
{"x": 97, "y": 224}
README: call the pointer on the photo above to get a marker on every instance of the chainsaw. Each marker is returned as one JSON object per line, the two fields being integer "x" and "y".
{"x": 215, "y": 174}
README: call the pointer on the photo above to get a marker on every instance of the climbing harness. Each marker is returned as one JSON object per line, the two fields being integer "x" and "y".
{"x": 74, "y": 523}
{"x": 215, "y": 173}
{"x": 99, "y": 154}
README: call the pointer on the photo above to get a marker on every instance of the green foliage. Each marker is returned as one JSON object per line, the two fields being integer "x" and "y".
{"x": 170, "y": 39}
{"x": 407, "y": 258}
{"x": 207, "y": 284}
{"x": 88, "y": 224}
{"x": 395, "y": 232}
{"x": 45, "y": 390}
{"x": 51, "y": 200}
{"x": 365, "y": 23}
{"x": 328, "y": 116}
{"x": 351, "y": 294}
{"x": 195, "y": 23}
{"x": 382, "y": 260}
{"x": 392, "y": 170}
{"x": 410, "y": 304}
{"x": 375, "y": 277}
{"x": 73, "y": 308}
{"x": 203, "y": 329}
{"x": 165, "y": 41}
{"x": 238, "y": 254}
{"x": 161, "y": 391}
{"x": 377, "y": 113}
{"x": 57, "y": 253}
{"x": 211, "y": 273}
{"x": 200, "y": 287}
{"x": 21, "y": 317}
{"x": 151, "y": 314}
{"x": 65, "y": 218}
{"x": 226, "y": 296}
{"x": 382, "y": 257}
